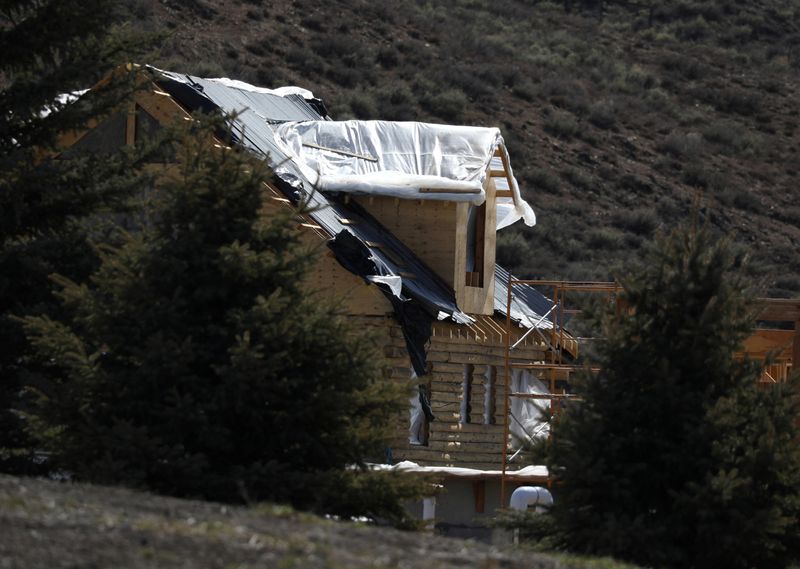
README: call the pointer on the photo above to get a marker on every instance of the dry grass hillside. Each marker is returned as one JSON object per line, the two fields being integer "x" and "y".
{"x": 48, "y": 524}
{"x": 619, "y": 116}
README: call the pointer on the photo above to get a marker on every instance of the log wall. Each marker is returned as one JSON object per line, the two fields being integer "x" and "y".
{"x": 475, "y": 441}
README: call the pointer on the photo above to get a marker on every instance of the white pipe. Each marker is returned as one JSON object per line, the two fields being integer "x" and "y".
{"x": 526, "y": 496}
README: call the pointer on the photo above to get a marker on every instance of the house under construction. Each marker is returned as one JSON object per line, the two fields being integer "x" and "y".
{"x": 410, "y": 214}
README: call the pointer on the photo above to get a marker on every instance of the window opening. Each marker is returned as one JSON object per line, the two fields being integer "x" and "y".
{"x": 476, "y": 238}
{"x": 466, "y": 393}
{"x": 490, "y": 396}
{"x": 420, "y": 413}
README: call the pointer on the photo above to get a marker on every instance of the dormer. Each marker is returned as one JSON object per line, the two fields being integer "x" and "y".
{"x": 444, "y": 191}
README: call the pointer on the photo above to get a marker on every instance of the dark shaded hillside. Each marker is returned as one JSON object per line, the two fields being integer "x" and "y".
{"x": 617, "y": 119}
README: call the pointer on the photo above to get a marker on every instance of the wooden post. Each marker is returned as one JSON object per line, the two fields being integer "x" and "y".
{"x": 796, "y": 347}
{"x": 479, "y": 489}
{"x": 507, "y": 394}
{"x": 130, "y": 127}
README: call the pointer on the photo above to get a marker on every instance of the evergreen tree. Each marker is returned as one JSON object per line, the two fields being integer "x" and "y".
{"x": 674, "y": 457}
{"x": 49, "y": 48}
{"x": 194, "y": 362}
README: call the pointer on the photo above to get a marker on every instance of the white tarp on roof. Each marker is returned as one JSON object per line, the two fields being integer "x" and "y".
{"x": 407, "y": 160}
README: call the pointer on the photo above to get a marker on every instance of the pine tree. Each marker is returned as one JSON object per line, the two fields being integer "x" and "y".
{"x": 195, "y": 363}
{"x": 674, "y": 458}
{"x": 47, "y": 49}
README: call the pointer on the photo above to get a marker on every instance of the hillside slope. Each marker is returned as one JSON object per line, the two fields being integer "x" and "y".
{"x": 48, "y": 524}
{"x": 620, "y": 119}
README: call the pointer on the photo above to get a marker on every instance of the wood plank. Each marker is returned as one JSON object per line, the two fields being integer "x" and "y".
{"x": 450, "y": 415}
{"x": 426, "y": 453}
{"x": 479, "y": 491}
{"x": 427, "y": 228}
{"x": 130, "y": 126}
{"x": 796, "y": 346}
{"x": 467, "y": 447}
{"x": 450, "y": 190}
{"x": 479, "y": 437}
{"x": 778, "y": 309}
{"x": 446, "y": 377}
{"x": 763, "y": 342}
{"x": 468, "y": 428}
{"x": 164, "y": 109}
{"x": 438, "y": 398}
{"x": 445, "y": 387}
{"x": 343, "y": 152}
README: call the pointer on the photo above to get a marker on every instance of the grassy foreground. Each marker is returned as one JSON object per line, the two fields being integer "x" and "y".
{"x": 51, "y": 524}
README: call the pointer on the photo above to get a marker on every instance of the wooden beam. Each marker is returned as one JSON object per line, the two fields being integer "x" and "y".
{"x": 450, "y": 190}
{"x": 778, "y": 309}
{"x": 479, "y": 489}
{"x": 796, "y": 346}
{"x": 130, "y": 126}
{"x": 341, "y": 151}
{"x": 164, "y": 109}
{"x": 764, "y": 342}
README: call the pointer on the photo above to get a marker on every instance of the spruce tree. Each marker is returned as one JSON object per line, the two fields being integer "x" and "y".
{"x": 195, "y": 362}
{"x": 674, "y": 457}
{"x": 49, "y": 49}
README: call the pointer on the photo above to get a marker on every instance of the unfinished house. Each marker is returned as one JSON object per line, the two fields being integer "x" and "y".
{"x": 410, "y": 214}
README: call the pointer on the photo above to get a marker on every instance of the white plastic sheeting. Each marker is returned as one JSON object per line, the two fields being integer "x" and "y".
{"x": 416, "y": 424}
{"x": 526, "y": 496}
{"x": 508, "y": 211}
{"x": 529, "y": 416}
{"x": 535, "y": 472}
{"x": 408, "y": 160}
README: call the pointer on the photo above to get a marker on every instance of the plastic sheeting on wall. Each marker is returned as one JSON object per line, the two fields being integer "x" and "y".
{"x": 529, "y": 416}
{"x": 408, "y": 160}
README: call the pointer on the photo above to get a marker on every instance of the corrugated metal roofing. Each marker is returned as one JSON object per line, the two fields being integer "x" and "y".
{"x": 256, "y": 112}
{"x": 529, "y": 307}
{"x": 254, "y": 116}
{"x": 268, "y": 106}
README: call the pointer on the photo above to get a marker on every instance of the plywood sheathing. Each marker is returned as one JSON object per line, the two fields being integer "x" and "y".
{"x": 426, "y": 227}
{"x": 472, "y": 299}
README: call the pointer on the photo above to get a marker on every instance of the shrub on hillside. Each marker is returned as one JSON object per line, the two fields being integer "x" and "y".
{"x": 448, "y": 105}
{"x": 732, "y": 137}
{"x": 682, "y": 144}
{"x": 545, "y": 180}
{"x": 603, "y": 114}
{"x": 396, "y": 102}
{"x": 641, "y": 221}
{"x": 561, "y": 124}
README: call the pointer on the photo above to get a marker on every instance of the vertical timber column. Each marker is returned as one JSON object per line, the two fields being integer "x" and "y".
{"x": 130, "y": 126}
{"x": 796, "y": 347}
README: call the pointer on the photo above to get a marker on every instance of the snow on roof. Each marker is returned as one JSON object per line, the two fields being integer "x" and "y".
{"x": 280, "y": 91}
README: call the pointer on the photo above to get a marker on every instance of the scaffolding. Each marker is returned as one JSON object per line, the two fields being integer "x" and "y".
{"x": 778, "y": 346}
{"x": 559, "y": 358}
